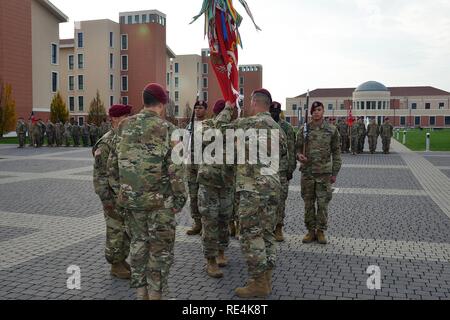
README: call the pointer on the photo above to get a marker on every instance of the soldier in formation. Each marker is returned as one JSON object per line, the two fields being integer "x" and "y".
{"x": 76, "y": 133}
{"x": 59, "y": 133}
{"x": 85, "y": 135}
{"x": 93, "y": 133}
{"x": 362, "y": 133}
{"x": 373, "y": 131}
{"x": 21, "y": 131}
{"x": 344, "y": 132}
{"x": 67, "y": 133}
{"x": 386, "y": 133}
{"x": 50, "y": 131}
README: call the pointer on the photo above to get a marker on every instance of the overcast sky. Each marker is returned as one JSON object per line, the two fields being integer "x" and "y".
{"x": 309, "y": 44}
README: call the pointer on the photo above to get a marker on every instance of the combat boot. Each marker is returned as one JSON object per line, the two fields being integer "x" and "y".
{"x": 310, "y": 237}
{"x": 212, "y": 268}
{"x": 119, "y": 270}
{"x": 232, "y": 229}
{"x": 142, "y": 293}
{"x": 222, "y": 261}
{"x": 126, "y": 265}
{"x": 155, "y": 295}
{"x": 321, "y": 237}
{"x": 196, "y": 228}
{"x": 256, "y": 288}
{"x": 279, "y": 233}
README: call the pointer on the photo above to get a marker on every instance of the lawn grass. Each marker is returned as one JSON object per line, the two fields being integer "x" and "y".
{"x": 9, "y": 140}
{"x": 416, "y": 139}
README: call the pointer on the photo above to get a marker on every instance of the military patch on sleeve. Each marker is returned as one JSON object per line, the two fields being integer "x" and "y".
{"x": 97, "y": 153}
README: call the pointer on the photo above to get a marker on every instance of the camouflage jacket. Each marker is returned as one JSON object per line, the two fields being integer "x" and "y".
{"x": 362, "y": 130}
{"x": 373, "y": 130}
{"x": 21, "y": 127}
{"x": 50, "y": 128}
{"x": 343, "y": 129}
{"x": 101, "y": 152}
{"x": 85, "y": 130}
{"x": 290, "y": 165}
{"x": 250, "y": 177}
{"x": 149, "y": 179}
{"x": 94, "y": 130}
{"x": 323, "y": 150}
{"x": 387, "y": 130}
{"x": 192, "y": 169}
{"x": 67, "y": 130}
{"x": 217, "y": 175}
{"x": 76, "y": 130}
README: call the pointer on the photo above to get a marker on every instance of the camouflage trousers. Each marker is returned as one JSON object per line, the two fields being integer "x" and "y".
{"x": 216, "y": 209}
{"x": 152, "y": 244}
{"x": 354, "y": 144}
{"x": 117, "y": 239}
{"x": 193, "y": 186}
{"x": 50, "y": 139}
{"x": 316, "y": 190}
{"x": 67, "y": 140}
{"x": 257, "y": 216}
{"x": 37, "y": 140}
{"x": 361, "y": 142}
{"x": 373, "y": 141}
{"x": 58, "y": 140}
{"x": 76, "y": 140}
{"x": 85, "y": 139}
{"x": 21, "y": 139}
{"x": 386, "y": 144}
{"x": 344, "y": 143}
{"x": 284, "y": 192}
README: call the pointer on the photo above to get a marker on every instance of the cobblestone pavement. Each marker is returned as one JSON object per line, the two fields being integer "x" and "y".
{"x": 388, "y": 211}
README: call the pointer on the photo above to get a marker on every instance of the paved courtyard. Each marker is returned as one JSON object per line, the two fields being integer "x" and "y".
{"x": 390, "y": 211}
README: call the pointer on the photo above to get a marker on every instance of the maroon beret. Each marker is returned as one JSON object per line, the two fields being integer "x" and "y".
{"x": 316, "y": 105}
{"x": 201, "y": 103}
{"x": 219, "y": 106}
{"x": 119, "y": 110}
{"x": 275, "y": 106}
{"x": 264, "y": 92}
{"x": 157, "y": 92}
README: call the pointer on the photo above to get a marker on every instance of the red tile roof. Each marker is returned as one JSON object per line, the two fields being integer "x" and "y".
{"x": 395, "y": 92}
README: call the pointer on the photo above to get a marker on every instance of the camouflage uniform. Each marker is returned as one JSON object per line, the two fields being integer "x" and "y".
{"x": 59, "y": 133}
{"x": 50, "y": 129}
{"x": 216, "y": 194}
{"x": 67, "y": 133}
{"x": 43, "y": 128}
{"x": 343, "y": 131}
{"x": 323, "y": 151}
{"x": 85, "y": 135}
{"x": 386, "y": 132}
{"x": 21, "y": 130}
{"x": 117, "y": 240}
{"x": 93, "y": 133}
{"x": 36, "y": 134}
{"x": 373, "y": 132}
{"x": 354, "y": 131}
{"x": 30, "y": 133}
{"x": 151, "y": 189}
{"x": 76, "y": 130}
{"x": 362, "y": 132}
{"x": 258, "y": 200}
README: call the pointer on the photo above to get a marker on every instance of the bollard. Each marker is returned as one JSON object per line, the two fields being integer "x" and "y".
{"x": 404, "y": 137}
{"x": 428, "y": 142}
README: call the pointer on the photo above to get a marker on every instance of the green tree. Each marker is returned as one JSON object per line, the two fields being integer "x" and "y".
{"x": 97, "y": 111}
{"x": 7, "y": 110}
{"x": 58, "y": 109}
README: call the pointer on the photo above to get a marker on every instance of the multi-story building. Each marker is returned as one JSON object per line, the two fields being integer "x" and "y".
{"x": 406, "y": 106}
{"x": 29, "y": 53}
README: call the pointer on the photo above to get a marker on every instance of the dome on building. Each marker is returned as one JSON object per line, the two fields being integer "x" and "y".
{"x": 371, "y": 86}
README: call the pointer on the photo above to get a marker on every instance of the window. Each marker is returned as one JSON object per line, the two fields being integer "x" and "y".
{"x": 205, "y": 82}
{"x": 81, "y": 103}
{"x": 362, "y": 105}
{"x": 177, "y": 82}
{"x": 125, "y": 100}
{"x": 330, "y": 106}
{"x": 205, "y": 96}
{"x": 124, "y": 83}
{"x": 130, "y": 20}
{"x": 428, "y": 106}
{"x": 80, "y": 61}
{"x": 447, "y": 121}
{"x": 402, "y": 121}
{"x": 205, "y": 68}
{"x": 124, "y": 63}
{"x": 54, "y": 82}
{"x": 198, "y": 67}
{"x": 294, "y": 107}
{"x": 80, "y": 40}
{"x": 111, "y": 82}
{"x": 357, "y": 105}
{"x": 168, "y": 79}
{"x": 136, "y": 18}
{"x": 417, "y": 121}
{"x": 177, "y": 96}
{"x": 80, "y": 82}
{"x": 81, "y": 121}
{"x": 241, "y": 91}
{"x": 177, "y": 67}
{"x": 71, "y": 104}
{"x": 384, "y": 105}
{"x": 144, "y": 18}
{"x": 432, "y": 121}
{"x": 288, "y": 119}
{"x": 71, "y": 83}
{"x": 342, "y": 106}
{"x": 111, "y": 61}
{"x": 414, "y": 106}
{"x": 241, "y": 81}
{"x": 54, "y": 53}
{"x": 111, "y": 100}
{"x": 122, "y": 20}
{"x": 111, "y": 39}
{"x": 71, "y": 63}
{"x": 124, "y": 42}
{"x": 379, "y": 105}
{"x": 441, "y": 105}
{"x": 177, "y": 110}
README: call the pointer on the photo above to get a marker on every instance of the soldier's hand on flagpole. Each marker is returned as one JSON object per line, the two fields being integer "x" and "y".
{"x": 302, "y": 158}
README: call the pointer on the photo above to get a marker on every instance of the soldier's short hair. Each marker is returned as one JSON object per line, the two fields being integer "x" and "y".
{"x": 150, "y": 100}
{"x": 262, "y": 98}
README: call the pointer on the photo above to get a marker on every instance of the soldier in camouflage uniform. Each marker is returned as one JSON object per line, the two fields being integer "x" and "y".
{"x": 50, "y": 130}
{"x": 43, "y": 129}
{"x": 85, "y": 134}
{"x": 30, "y": 133}
{"x": 321, "y": 163}
{"x": 362, "y": 132}
{"x": 59, "y": 133}
{"x": 106, "y": 186}
{"x": 343, "y": 131}
{"x": 76, "y": 132}
{"x": 93, "y": 133}
{"x": 354, "y": 132}
{"x": 216, "y": 197}
{"x": 287, "y": 168}
{"x": 21, "y": 130}
{"x": 386, "y": 133}
{"x": 192, "y": 171}
{"x": 258, "y": 198}
{"x": 373, "y": 131}
{"x": 67, "y": 133}
{"x": 152, "y": 191}
{"x": 36, "y": 134}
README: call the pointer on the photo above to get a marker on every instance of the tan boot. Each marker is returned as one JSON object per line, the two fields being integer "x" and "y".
{"x": 222, "y": 261}
{"x": 155, "y": 295}
{"x": 232, "y": 227}
{"x": 212, "y": 269}
{"x": 142, "y": 293}
{"x": 196, "y": 228}
{"x": 321, "y": 238}
{"x": 119, "y": 270}
{"x": 279, "y": 233}
{"x": 269, "y": 273}
{"x": 256, "y": 288}
{"x": 310, "y": 237}
{"x": 126, "y": 265}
